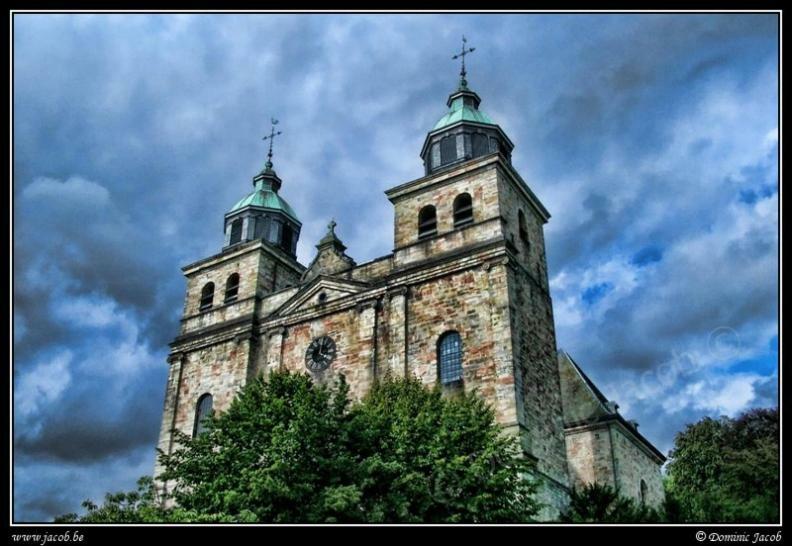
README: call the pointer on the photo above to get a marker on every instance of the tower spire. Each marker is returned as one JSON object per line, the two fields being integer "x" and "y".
{"x": 465, "y": 51}
{"x": 271, "y": 138}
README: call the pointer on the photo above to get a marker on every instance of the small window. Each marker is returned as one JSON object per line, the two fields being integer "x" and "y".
{"x": 232, "y": 288}
{"x": 286, "y": 238}
{"x": 644, "y": 489}
{"x": 448, "y": 151}
{"x": 523, "y": 229}
{"x": 449, "y": 358}
{"x": 480, "y": 144}
{"x": 207, "y": 295}
{"x": 463, "y": 210}
{"x": 202, "y": 411}
{"x": 236, "y": 231}
{"x": 494, "y": 144}
{"x": 427, "y": 222}
{"x": 261, "y": 227}
{"x": 274, "y": 232}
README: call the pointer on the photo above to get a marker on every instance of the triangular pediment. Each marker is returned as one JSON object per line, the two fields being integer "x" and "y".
{"x": 319, "y": 292}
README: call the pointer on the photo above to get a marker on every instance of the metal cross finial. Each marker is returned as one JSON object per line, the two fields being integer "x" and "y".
{"x": 271, "y": 138}
{"x": 462, "y": 54}
{"x": 331, "y": 226}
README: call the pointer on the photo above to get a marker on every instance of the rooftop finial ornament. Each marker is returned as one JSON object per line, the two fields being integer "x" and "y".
{"x": 271, "y": 138}
{"x": 465, "y": 51}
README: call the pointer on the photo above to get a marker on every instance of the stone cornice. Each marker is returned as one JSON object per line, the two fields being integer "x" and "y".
{"x": 397, "y": 283}
{"x": 449, "y": 233}
{"x": 226, "y": 329}
{"x": 236, "y": 252}
{"x": 444, "y": 177}
{"x": 631, "y": 433}
{"x": 469, "y": 167}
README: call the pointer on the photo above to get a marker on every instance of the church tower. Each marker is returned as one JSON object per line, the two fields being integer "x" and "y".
{"x": 214, "y": 354}
{"x": 473, "y": 211}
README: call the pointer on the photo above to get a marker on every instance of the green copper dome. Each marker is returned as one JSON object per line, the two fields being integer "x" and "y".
{"x": 263, "y": 196}
{"x": 461, "y": 110}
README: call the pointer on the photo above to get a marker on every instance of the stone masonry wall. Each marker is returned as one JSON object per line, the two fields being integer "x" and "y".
{"x": 633, "y": 464}
{"x": 245, "y": 264}
{"x": 589, "y": 457}
{"x": 533, "y": 340}
{"x": 481, "y": 184}
{"x": 220, "y": 369}
{"x": 260, "y": 273}
{"x": 530, "y": 253}
{"x": 473, "y": 303}
{"x": 351, "y": 330}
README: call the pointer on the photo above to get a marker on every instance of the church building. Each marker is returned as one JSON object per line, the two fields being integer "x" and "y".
{"x": 462, "y": 301}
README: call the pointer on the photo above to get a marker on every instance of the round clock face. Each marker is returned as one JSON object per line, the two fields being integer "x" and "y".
{"x": 320, "y": 354}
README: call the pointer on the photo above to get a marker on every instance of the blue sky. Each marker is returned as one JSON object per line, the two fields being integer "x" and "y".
{"x": 652, "y": 140}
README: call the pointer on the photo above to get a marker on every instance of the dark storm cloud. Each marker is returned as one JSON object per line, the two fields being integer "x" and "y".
{"x": 93, "y": 424}
{"x": 134, "y": 134}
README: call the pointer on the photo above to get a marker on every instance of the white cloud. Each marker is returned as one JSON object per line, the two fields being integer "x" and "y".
{"x": 86, "y": 311}
{"x": 75, "y": 189}
{"x": 722, "y": 395}
{"x": 42, "y": 384}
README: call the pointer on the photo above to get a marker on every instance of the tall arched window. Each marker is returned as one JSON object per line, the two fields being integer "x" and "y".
{"x": 427, "y": 222}
{"x": 644, "y": 489}
{"x": 207, "y": 295}
{"x": 202, "y": 410}
{"x": 448, "y": 151}
{"x": 449, "y": 358}
{"x": 523, "y": 229}
{"x": 463, "y": 210}
{"x": 236, "y": 231}
{"x": 232, "y": 288}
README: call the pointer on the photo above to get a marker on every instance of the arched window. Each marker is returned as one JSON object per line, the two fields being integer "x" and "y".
{"x": 463, "y": 210}
{"x": 286, "y": 238}
{"x": 480, "y": 144}
{"x": 207, "y": 295}
{"x": 448, "y": 151}
{"x": 232, "y": 288}
{"x": 427, "y": 222}
{"x": 202, "y": 410}
{"x": 523, "y": 229}
{"x": 449, "y": 358}
{"x": 236, "y": 231}
{"x": 643, "y": 492}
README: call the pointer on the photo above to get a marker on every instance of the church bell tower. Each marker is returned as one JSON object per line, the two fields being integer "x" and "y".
{"x": 214, "y": 354}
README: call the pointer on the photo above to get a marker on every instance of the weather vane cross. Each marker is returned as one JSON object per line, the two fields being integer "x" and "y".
{"x": 465, "y": 51}
{"x": 271, "y": 138}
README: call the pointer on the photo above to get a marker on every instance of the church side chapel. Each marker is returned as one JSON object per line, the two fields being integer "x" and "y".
{"x": 462, "y": 301}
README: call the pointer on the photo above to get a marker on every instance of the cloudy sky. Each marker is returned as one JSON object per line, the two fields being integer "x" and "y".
{"x": 652, "y": 140}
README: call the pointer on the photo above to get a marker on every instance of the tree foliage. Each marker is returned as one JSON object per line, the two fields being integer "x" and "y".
{"x": 289, "y": 449}
{"x": 727, "y": 470}
{"x": 601, "y": 503}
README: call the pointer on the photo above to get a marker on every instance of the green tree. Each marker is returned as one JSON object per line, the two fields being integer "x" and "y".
{"x": 291, "y": 450}
{"x": 123, "y": 507}
{"x": 601, "y": 503}
{"x": 727, "y": 470}
{"x": 424, "y": 457}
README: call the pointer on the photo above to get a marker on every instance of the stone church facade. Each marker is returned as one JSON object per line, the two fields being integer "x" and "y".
{"x": 462, "y": 301}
